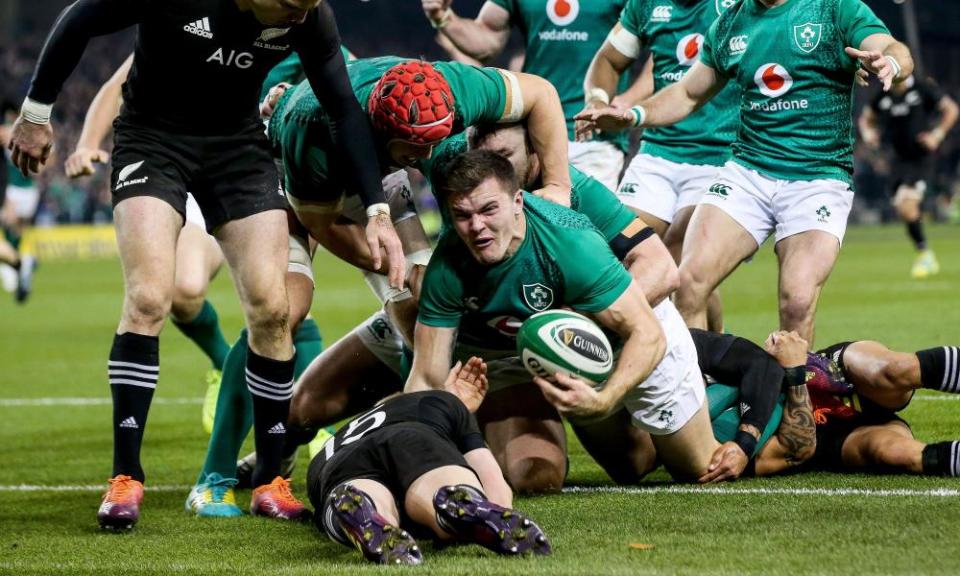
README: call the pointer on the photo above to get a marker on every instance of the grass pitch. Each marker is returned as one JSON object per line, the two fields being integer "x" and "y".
{"x": 55, "y": 454}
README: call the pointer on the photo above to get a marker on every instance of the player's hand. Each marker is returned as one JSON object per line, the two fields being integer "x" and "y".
{"x": 595, "y": 119}
{"x": 931, "y": 140}
{"x": 380, "y": 232}
{"x": 435, "y": 9}
{"x": 789, "y": 348}
{"x": 574, "y": 397}
{"x": 875, "y": 63}
{"x": 31, "y": 145}
{"x": 727, "y": 463}
{"x": 554, "y": 193}
{"x": 81, "y": 162}
{"x": 273, "y": 96}
{"x": 862, "y": 77}
{"x": 871, "y": 138}
{"x": 468, "y": 382}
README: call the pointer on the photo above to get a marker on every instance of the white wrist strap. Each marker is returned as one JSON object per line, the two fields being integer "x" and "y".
{"x": 377, "y": 209}
{"x": 35, "y": 112}
{"x": 639, "y": 115}
{"x": 896, "y": 66}
{"x": 597, "y": 94}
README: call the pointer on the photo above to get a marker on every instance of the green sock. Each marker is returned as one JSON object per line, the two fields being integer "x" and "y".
{"x": 12, "y": 237}
{"x": 234, "y": 416}
{"x": 309, "y": 345}
{"x": 205, "y": 332}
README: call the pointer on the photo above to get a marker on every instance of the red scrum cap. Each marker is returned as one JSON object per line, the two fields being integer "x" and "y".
{"x": 412, "y": 102}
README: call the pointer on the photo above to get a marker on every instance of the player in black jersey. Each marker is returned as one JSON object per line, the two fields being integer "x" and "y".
{"x": 213, "y": 145}
{"x": 911, "y": 120}
{"x": 418, "y": 460}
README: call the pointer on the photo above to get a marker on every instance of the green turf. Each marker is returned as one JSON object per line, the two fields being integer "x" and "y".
{"x": 56, "y": 346}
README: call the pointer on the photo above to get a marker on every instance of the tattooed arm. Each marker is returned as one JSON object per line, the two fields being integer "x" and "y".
{"x": 796, "y": 438}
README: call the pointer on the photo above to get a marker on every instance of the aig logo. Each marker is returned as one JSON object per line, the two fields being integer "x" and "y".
{"x": 738, "y": 44}
{"x": 563, "y": 12}
{"x": 661, "y": 14}
{"x": 241, "y": 60}
{"x": 689, "y": 48}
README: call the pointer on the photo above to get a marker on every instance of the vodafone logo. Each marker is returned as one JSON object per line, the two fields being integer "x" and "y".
{"x": 689, "y": 48}
{"x": 773, "y": 80}
{"x": 563, "y": 12}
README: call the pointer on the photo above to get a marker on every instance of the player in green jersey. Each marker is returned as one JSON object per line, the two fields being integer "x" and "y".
{"x": 560, "y": 37}
{"x": 514, "y": 255}
{"x": 795, "y": 63}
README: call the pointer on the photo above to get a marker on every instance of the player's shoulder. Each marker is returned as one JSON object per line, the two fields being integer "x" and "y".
{"x": 554, "y": 215}
{"x": 559, "y": 229}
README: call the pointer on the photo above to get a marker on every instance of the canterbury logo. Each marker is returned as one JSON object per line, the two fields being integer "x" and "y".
{"x": 661, "y": 14}
{"x": 200, "y": 28}
{"x": 738, "y": 44}
{"x": 720, "y": 190}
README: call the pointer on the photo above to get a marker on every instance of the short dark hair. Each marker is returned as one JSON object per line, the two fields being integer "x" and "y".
{"x": 477, "y": 133}
{"x": 471, "y": 169}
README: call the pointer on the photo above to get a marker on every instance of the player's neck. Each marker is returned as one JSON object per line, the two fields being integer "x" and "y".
{"x": 518, "y": 236}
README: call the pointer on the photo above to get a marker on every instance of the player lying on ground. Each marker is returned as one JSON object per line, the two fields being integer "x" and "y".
{"x": 418, "y": 461}
{"x": 494, "y": 271}
{"x": 856, "y": 390}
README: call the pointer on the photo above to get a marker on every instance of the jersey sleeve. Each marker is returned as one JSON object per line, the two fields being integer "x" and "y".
{"x": 708, "y": 56}
{"x": 68, "y": 38}
{"x": 317, "y": 41}
{"x": 441, "y": 297}
{"x": 856, "y": 21}
{"x": 479, "y": 94}
{"x": 593, "y": 276}
{"x": 632, "y": 17}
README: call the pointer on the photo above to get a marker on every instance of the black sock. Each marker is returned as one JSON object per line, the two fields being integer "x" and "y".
{"x": 297, "y": 436}
{"x": 942, "y": 459}
{"x": 133, "y": 370}
{"x": 940, "y": 368}
{"x": 271, "y": 384}
{"x": 915, "y": 231}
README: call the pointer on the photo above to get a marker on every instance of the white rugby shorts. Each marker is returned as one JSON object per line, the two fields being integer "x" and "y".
{"x": 661, "y": 187}
{"x": 600, "y": 160}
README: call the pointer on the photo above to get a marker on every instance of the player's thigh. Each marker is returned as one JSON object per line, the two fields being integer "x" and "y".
{"x": 673, "y": 237}
{"x": 885, "y": 376}
{"x": 198, "y": 258}
{"x": 257, "y": 249}
{"x": 624, "y": 451}
{"x": 524, "y": 432}
{"x": 383, "y": 499}
{"x": 147, "y": 230}
{"x": 806, "y": 261}
{"x": 347, "y": 378}
{"x": 686, "y": 453}
{"x": 881, "y": 446}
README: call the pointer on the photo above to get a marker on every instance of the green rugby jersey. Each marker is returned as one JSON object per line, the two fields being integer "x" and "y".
{"x": 587, "y": 195}
{"x": 561, "y": 38}
{"x": 673, "y": 31}
{"x": 562, "y": 261}
{"x": 796, "y": 83}
{"x": 722, "y": 401}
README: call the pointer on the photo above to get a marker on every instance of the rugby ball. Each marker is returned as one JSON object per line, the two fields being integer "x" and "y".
{"x": 564, "y": 341}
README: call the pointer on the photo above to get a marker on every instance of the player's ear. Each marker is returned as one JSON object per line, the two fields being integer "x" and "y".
{"x": 518, "y": 201}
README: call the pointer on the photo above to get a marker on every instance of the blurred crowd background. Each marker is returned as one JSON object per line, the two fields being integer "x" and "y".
{"x": 377, "y": 27}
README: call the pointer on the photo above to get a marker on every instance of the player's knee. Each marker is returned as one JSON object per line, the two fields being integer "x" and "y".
{"x": 891, "y": 454}
{"x": 268, "y": 313}
{"x": 796, "y": 307}
{"x": 146, "y": 305}
{"x": 188, "y": 297}
{"x": 692, "y": 290}
{"x": 536, "y": 475}
{"x": 896, "y": 372}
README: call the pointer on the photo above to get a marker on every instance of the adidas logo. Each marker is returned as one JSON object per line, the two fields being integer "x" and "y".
{"x": 744, "y": 408}
{"x": 278, "y": 428}
{"x": 130, "y": 422}
{"x": 200, "y": 28}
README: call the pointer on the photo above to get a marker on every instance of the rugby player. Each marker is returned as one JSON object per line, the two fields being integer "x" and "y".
{"x": 418, "y": 460}
{"x": 198, "y": 256}
{"x": 856, "y": 390}
{"x": 213, "y": 145}
{"x": 514, "y": 255}
{"x": 912, "y": 120}
{"x": 559, "y": 40}
{"x": 792, "y": 161}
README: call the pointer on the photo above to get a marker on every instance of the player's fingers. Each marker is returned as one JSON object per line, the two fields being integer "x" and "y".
{"x": 854, "y": 53}
{"x": 373, "y": 242}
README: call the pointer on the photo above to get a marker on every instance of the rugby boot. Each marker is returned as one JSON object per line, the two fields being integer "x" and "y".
{"x": 213, "y": 498}
{"x": 120, "y": 508}
{"x": 466, "y": 513}
{"x": 925, "y": 265}
{"x": 209, "y": 409}
{"x": 275, "y": 500}
{"x": 824, "y": 375}
{"x": 246, "y": 465}
{"x": 378, "y": 540}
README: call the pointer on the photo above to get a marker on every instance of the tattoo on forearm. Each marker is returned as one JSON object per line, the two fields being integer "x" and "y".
{"x": 798, "y": 430}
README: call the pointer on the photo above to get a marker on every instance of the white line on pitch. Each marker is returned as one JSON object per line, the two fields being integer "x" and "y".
{"x": 933, "y": 492}
{"x": 86, "y": 488}
{"x": 65, "y": 401}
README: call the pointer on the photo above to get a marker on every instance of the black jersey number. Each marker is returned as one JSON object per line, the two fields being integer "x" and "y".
{"x": 356, "y": 430}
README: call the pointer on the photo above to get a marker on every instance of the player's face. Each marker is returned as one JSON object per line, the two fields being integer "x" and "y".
{"x": 511, "y": 143}
{"x": 405, "y": 154}
{"x": 282, "y": 13}
{"x": 488, "y": 221}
